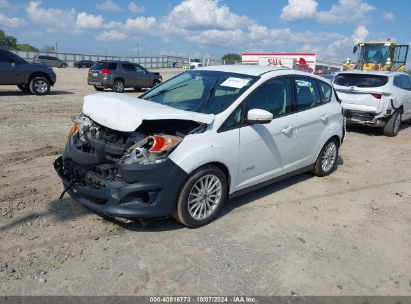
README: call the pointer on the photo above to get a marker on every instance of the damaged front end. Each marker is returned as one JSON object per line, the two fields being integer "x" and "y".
{"x": 124, "y": 174}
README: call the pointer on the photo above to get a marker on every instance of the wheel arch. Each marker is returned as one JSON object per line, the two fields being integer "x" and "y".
{"x": 39, "y": 74}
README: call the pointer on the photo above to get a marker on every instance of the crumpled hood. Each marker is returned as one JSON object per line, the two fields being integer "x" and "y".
{"x": 124, "y": 113}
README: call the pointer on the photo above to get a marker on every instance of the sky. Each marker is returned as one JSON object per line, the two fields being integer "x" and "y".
{"x": 206, "y": 28}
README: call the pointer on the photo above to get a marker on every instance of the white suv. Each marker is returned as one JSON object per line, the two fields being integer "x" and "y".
{"x": 205, "y": 135}
{"x": 381, "y": 99}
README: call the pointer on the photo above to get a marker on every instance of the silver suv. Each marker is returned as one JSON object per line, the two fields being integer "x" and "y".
{"x": 119, "y": 75}
{"x": 51, "y": 61}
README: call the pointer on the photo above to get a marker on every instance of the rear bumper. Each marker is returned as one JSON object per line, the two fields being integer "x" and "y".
{"x": 364, "y": 118}
{"x": 138, "y": 191}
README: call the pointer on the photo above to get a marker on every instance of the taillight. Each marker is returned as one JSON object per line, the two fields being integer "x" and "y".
{"x": 105, "y": 71}
{"x": 377, "y": 95}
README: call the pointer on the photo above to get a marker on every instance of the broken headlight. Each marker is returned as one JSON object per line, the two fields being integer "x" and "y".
{"x": 151, "y": 150}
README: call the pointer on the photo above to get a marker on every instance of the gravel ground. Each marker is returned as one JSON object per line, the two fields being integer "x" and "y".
{"x": 345, "y": 234}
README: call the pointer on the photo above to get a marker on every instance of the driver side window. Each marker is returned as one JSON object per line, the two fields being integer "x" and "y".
{"x": 272, "y": 96}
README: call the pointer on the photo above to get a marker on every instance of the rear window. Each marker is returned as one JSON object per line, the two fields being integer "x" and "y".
{"x": 361, "y": 81}
{"x": 104, "y": 65}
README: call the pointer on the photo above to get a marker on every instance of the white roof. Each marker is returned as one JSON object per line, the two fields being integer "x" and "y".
{"x": 382, "y": 73}
{"x": 252, "y": 70}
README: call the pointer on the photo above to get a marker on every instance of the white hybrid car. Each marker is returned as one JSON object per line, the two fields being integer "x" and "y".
{"x": 381, "y": 99}
{"x": 184, "y": 147}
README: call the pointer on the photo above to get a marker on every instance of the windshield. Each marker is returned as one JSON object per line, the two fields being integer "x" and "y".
{"x": 375, "y": 53}
{"x": 207, "y": 92}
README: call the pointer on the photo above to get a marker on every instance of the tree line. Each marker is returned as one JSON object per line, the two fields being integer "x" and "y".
{"x": 10, "y": 43}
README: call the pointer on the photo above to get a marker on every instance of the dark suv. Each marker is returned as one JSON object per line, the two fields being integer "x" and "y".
{"x": 29, "y": 77}
{"x": 119, "y": 75}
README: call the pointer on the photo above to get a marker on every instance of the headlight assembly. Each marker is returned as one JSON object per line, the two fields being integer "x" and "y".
{"x": 151, "y": 150}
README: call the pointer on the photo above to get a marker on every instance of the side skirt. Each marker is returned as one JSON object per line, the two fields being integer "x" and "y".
{"x": 271, "y": 181}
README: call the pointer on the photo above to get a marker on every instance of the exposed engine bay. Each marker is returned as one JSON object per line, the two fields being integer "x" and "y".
{"x": 152, "y": 142}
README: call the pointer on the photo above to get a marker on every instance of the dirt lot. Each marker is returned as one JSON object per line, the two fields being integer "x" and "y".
{"x": 348, "y": 233}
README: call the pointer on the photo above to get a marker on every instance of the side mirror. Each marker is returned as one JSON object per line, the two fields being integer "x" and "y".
{"x": 259, "y": 116}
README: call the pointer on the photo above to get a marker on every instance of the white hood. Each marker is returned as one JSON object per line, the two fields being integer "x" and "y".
{"x": 124, "y": 113}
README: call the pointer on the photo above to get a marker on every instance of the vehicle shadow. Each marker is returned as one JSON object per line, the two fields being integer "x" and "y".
{"x": 20, "y": 93}
{"x": 67, "y": 209}
{"x": 373, "y": 131}
{"x": 63, "y": 210}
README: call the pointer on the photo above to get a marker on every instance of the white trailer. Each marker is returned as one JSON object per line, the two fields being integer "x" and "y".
{"x": 277, "y": 62}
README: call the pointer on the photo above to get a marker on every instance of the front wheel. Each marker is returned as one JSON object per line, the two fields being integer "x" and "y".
{"x": 327, "y": 160}
{"x": 118, "y": 86}
{"x": 39, "y": 86}
{"x": 201, "y": 197}
{"x": 393, "y": 125}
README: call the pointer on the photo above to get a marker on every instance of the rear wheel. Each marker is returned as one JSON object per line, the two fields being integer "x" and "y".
{"x": 202, "y": 197}
{"x": 39, "y": 86}
{"x": 98, "y": 88}
{"x": 118, "y": 86}
{"x": 393, "y": 125}
{"x": 327, "y": 160}
{"x": 23, "y": 87}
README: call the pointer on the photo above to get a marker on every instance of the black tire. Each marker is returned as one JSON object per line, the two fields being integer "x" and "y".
{"x": 393, "y": 125}
{"x": 320, "y": 168}
{"x": 98, "y": 88}
{"x": 156, "y": 83}
{"x": 118, "y": 86}
{"x": 39, "y": 86}
{"x": 24, "y": 88}
{"x": 182, "y": 213}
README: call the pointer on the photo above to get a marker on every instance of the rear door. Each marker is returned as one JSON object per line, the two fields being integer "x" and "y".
{"x": 360, "y": 91}
{"x": 129, "y": 74}
{"x": 403, "y": 93}
{"x": 314, "y": 113}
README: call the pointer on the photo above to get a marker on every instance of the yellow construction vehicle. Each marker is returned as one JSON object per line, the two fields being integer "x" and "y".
{"x": 379, "y": 56}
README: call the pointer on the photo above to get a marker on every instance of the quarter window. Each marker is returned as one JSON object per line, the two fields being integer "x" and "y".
{"x": 308, "y": 95}
{"x": 128, "y": 67}
{"x": 326, "y": 91}
{"x": 272, "y": 96}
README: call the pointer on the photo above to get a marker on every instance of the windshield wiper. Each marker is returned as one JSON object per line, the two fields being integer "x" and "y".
{"x": 161, "y": 92}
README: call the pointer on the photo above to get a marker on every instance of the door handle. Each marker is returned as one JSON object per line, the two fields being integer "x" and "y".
{"x": 324, "y": 118}
{"x": 287, "y": 130}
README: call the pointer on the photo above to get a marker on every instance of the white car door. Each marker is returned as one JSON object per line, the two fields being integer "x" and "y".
{"x": 407, "y": 94}
{"x": 266, "y": 150}
{"x": 312, "y": 121}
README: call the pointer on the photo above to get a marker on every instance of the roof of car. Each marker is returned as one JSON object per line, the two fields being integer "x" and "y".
{"x": 252, "y": 70}
{"x": 381, "y": 73}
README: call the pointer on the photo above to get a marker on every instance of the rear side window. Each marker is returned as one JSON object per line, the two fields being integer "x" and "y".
{"x": 308, "y": 94}
{"x": 361, "y": 81}
{"x": 128, "y": 67}
{"x": 402, "y": 82}
{"x": 104, "y": 65}
{"x": 326, "y": 91}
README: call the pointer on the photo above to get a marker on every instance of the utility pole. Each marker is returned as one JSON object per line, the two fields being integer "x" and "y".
{"x": 56, "y": 48}
{"x": 138, "y": 49}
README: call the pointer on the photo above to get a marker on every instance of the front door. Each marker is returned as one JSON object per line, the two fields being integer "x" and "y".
{"x": 266, "y": 150}
{"x": 144, "y": 79}
{"x": 10, "y": 68}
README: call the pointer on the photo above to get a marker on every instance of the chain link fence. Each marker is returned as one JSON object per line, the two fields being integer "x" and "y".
{"x": 149, "y": 62}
